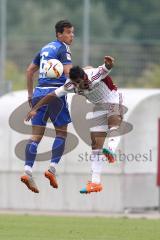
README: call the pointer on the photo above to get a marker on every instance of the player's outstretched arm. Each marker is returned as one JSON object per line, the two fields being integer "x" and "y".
{"x": 59, "y": 92}
{"x": 45, "y": 100}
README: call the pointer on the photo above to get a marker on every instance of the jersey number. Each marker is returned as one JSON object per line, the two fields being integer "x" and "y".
{"x": 42, "y": 64}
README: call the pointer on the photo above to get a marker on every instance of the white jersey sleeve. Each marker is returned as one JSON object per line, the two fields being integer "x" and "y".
{"x": 68, "y": 87}
{"x": 60, "y": 91}
{"x": 98, "y": 74}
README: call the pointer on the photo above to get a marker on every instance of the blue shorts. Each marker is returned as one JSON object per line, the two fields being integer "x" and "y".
{"x": 56, "y": 110}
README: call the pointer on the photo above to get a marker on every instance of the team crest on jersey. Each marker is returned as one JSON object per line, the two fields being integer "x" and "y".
{"x": 68, "y": 56}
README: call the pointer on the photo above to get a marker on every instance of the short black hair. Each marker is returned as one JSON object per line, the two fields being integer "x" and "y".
{"x": 76, "y": 73}
{"x": 60, "y": 25}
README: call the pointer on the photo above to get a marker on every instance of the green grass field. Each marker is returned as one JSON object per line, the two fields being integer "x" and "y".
{"x": 28, "y": 227}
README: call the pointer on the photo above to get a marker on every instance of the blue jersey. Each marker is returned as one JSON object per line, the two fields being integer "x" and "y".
{"x": 54, "y": 50}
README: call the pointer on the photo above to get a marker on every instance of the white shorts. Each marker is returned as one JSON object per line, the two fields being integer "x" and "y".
{"x": 101, "y": 112}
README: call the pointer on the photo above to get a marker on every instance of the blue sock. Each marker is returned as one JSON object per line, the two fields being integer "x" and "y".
{"x": 57, "y": 149}
{"x": 31, "y": 152}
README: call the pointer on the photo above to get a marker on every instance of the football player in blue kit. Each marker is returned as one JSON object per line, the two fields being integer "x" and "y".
{"x": 58, "y": 49}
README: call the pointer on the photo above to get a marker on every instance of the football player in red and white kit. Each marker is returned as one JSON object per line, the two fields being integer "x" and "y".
{"x": 98, "y": 88}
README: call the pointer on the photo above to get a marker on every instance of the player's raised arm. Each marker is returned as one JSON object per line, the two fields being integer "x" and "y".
{"x": 102, "y": 71}
{"x": 107, "y": 66}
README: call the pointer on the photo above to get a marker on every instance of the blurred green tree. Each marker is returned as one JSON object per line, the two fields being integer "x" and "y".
{"x": 135, "y": 19}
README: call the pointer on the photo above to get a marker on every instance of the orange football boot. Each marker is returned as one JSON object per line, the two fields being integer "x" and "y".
{"x": 52, "y": 178}
{"x": 92, "y": 187}
{"x": 30, "y": 183}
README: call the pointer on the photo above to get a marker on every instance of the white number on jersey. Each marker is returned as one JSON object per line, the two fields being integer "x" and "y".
{"x": 42, "y": 63}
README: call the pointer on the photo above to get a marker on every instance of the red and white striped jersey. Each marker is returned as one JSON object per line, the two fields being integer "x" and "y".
{"x": 98, "y": 90}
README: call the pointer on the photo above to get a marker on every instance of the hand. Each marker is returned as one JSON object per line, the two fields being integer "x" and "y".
{"x": 30, "y": 115}
{"x": 109, "y": 62}
{"x": 30, "y": 101}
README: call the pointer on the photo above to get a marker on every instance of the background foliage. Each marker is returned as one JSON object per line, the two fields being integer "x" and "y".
{"x": 129, "y": 30}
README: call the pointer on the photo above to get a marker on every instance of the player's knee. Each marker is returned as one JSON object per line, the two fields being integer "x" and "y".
{"x": 64, "y": 136}
{"x": 94, "y": 144}
{"x": 61, "y": 133}
{"x": 37, "y": 138}
{"x": 114, "y": 121}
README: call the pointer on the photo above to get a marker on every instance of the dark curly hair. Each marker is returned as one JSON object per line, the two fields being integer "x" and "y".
{"x": 76, "y": 73}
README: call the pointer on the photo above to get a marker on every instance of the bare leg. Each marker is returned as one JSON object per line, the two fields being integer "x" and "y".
{"x": 113, "y": 124}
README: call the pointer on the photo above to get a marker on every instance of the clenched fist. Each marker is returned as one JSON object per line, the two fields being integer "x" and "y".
{"x": 109, "y": 62}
